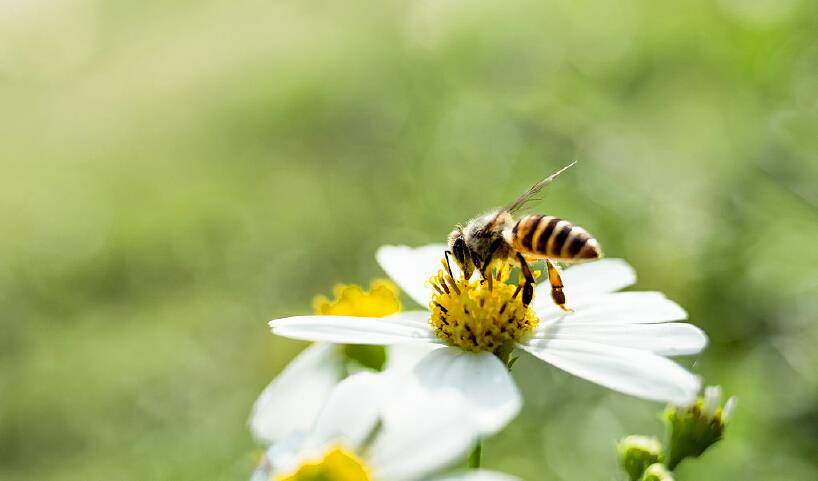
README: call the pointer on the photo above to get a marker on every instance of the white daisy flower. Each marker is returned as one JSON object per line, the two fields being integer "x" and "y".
{"x": 619, "y": 340}
{"x": 291, "y": 402}
{"x": 377, "y": 426}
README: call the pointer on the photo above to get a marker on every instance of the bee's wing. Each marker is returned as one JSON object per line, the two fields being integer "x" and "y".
{"x": 528, "y": 195}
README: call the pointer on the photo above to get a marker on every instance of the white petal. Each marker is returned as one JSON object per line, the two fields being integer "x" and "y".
{"x": 588, "y": 279}
{"x": 711, "y": 401}
{"x": 478, "y": 382}
{"x": 352, "y": 410}
{"x": 416, "y": 318}
{"x": 423, "y": 429}
{"x": 291, "y": 402}
{"x": 396, "y": 329}
{"x": 619, "y": 308}
{"x": 451, "y": 397}
{"x": 283, "y": 456}
{"x": 598, "y": 277}
{"x": 729, "y": 409}
{"x": 631, "y": 371}
{"x": 421, "y": 442}
{"x": 476, "y": 475}
{"x": 262, "y": 473}
{"x": 404, "y": 357}
{"x": 669, "y": 339}
{"x": 411, "y": 267}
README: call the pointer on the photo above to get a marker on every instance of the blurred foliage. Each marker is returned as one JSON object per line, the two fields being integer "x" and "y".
{"x": 176, "y": 173}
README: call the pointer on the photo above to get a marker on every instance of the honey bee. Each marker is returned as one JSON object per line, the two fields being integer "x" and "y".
{"x": 497, "y": 237}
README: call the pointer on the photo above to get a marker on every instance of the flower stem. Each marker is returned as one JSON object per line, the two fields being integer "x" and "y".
{"x": 474, "y": 456}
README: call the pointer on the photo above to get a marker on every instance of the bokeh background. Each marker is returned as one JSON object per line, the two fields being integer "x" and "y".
{"x": 175, "y": 173}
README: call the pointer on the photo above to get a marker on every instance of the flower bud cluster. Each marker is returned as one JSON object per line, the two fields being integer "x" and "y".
{"x": 691, "y": 430}
{"x": 637, "y": 453}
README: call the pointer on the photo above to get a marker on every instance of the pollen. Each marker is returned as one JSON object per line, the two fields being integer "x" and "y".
{"x": 352, "y": 300}
{"x": 479, "y": 315}
{"x": 337, "y": 464}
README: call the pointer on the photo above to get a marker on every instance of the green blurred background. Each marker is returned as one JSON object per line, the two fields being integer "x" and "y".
{"x": 174, "y": 174}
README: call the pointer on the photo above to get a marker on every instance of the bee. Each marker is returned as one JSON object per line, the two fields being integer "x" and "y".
{"x": 497, "y": 237}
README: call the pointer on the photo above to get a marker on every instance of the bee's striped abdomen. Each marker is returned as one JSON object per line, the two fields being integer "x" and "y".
{"x": 552, "y": 237}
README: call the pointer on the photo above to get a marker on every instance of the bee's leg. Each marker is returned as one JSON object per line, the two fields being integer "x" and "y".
{"x": 484, "y": 269}
{"x": 486, "y": 264}
{"x": 528, "y": 287}
{"x": 556, "y": 285}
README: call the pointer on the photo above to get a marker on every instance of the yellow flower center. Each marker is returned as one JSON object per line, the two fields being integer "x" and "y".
{"x": 338, "y": 464}
{"x": 352, "y": 300}
{"x": 480, "y": 315}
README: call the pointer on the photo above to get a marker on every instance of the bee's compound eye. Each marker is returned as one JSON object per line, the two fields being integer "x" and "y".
{"x": 459, "y": 250}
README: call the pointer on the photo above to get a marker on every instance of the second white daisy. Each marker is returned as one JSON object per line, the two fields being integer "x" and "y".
{"x": 377, "y": 426}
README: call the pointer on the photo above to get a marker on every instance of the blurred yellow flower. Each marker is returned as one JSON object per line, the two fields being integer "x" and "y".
{"x": 338, "y": 464}
{"x": 352, "y": 300}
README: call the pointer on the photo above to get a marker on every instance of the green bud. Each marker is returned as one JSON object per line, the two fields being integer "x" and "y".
{"x": 657, "y": 472}
{"x": 693, "y": 429}
{"x": 636, "y": 453}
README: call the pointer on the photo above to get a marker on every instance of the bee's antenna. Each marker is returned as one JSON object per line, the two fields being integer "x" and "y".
{"x": 448, "y": 265}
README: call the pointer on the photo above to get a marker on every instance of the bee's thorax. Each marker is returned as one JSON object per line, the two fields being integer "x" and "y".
{"x": 485, "y": 237}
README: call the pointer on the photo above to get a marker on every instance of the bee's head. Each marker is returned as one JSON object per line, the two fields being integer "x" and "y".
{"x": 461, "y": 252}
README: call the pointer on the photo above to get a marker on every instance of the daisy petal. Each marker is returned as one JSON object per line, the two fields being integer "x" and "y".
{"x": 404, "y": 357}
{"x": 349, "y": 415}
{"x": 262, "y": 473}
{"x": 420, "y": 441}
{"x": 670, "y": 339}
{"x": 294, "y": 398}
{"x": 478, "y": 383}
{"x": 411, "y": 267}
{"x": 728, "y": 409}
{"x": 476, "y": 475}
{"x": 397, "y": 329}
{"x": 599, "y": 277}
{"x": 283, "y": 455}
{"x": 412, "y": 415}
{"x": 589, "y": 279}
{"x": 631, "y": 371}
{"x": 618, "y": 308}
{"x": 419, "y": 318}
